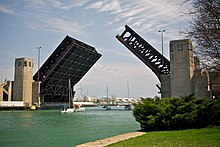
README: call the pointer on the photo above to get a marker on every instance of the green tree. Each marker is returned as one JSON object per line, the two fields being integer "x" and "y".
{"x": 205, "y": 30}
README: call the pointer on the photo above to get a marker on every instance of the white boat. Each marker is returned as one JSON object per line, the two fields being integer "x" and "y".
{"x": 75, "y": 108}
{"x": 71, "y": 110}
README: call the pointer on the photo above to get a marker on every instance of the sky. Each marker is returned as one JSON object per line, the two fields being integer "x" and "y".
{"x": 28, "y": 24}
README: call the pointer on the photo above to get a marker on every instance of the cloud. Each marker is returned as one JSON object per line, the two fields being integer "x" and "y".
{"x": 119, "y": 71}
{"x": 5, "y": 9}
{"x": 39, "y": 5}
{"x": 67, "y": 6}
{"x": 145, "y": 15}
{"x": 105, "y": 6}
{"x": 116, "y": 75}
{"x": 56, "y": 25}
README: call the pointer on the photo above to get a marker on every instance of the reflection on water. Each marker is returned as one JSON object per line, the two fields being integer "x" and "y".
{"x": 51, "y": 128}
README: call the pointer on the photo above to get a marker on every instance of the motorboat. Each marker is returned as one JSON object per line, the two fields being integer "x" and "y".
{"x": 106, "y": 107}
{"x": 127, "y": 107}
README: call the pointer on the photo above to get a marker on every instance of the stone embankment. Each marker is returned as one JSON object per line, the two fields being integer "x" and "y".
{"x": 111, "y": 140}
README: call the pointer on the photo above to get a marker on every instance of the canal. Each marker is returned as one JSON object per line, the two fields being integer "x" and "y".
{"x": 50, "y": 128}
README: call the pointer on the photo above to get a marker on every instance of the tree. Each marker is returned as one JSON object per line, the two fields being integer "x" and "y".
{"x": 205, "y": 31}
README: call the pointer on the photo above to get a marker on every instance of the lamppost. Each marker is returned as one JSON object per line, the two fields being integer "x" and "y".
{"x": 38, "y": 77}
{"x": 161, "y": 32}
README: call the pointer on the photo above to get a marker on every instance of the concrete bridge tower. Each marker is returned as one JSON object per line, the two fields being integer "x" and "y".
{"x": 181, "y": 67}
{"x": 23, "y": 79}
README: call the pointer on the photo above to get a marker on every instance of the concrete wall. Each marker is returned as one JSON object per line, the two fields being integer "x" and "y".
{"x": 10, "y": 89}
{"x": 35, "y": 92}
{"x": 165, "y": 86}
{"x": 200, "y": 85}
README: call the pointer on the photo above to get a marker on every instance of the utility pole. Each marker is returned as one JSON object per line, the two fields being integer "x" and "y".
{"x": 38, "y": 77}
{"x": 161, "y": 32}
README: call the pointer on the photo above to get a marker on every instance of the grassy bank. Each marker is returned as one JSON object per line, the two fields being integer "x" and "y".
{"x": 192, "y": 137}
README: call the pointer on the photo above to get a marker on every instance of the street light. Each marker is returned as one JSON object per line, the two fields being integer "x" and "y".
{"x": 38, "y": 77}
{"x": 161, "y": 32}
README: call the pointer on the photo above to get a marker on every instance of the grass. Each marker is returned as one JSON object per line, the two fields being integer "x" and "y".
{"x": 208, "y": 137}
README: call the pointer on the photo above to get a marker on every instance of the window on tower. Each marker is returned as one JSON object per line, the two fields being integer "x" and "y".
{"x": 19, "y": 63}
{"x": 190, "y": 47}
{"x": 180, "y": 47}
{"x": 25, "y": 63}
{"x": 29, "y": 64}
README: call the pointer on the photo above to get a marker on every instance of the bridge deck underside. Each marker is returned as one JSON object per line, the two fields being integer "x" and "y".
{"x": 72, "y": 59}
{"x": 145, "y": 52}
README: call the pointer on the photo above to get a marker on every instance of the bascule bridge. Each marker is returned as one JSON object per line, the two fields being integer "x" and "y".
{"x": 180, "y": 76}
{"x": 72, "y": 59}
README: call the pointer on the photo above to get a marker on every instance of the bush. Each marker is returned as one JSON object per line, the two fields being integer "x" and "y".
{"x": 176, "y": 113}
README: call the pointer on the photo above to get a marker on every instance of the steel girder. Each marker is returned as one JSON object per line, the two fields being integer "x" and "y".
{"x": 145, "y": 52}
{"x": 72, "y": 59}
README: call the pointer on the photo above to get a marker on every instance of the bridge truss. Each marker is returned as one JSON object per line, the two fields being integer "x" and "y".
{"x": 145, "y": 52}
{"x": 72, "y": 59}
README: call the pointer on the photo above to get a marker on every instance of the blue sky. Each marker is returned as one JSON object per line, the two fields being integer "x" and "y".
{"x": 27, "y": 24}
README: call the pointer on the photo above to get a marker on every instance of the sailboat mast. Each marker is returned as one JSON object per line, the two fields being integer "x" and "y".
{"x": 128, "y": 89}
{"x": 107, "y": 93}
{"x": 69, "y": 88}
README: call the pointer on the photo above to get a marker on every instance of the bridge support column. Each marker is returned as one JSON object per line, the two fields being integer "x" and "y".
{"x": 165, "y": 86}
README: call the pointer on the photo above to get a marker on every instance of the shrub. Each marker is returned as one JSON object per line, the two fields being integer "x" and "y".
{"x": 176, "y": 113}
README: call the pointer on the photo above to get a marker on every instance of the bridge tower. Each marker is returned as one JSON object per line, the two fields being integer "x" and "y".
{"x": 182, "y": 67}
{"x": 23, "y": 77}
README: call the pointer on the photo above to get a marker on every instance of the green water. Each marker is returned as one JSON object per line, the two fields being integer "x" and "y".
{"x": 51, "y": 128}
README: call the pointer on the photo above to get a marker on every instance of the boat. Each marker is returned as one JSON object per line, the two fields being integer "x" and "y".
{"x": 107, "y": 107}
{"x": 75, "y": 108}
{"x": 127, "y": 107}
{"x": 33, "y": 107}
{"x": 78, "y": 108}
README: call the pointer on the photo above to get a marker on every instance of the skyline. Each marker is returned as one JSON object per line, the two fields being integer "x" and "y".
{"x": 26, "y": 25}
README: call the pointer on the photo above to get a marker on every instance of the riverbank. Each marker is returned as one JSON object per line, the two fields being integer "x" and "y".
{"x": 111, "y": 140}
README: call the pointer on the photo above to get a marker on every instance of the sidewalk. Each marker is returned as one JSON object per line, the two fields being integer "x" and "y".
{"x": 107, "y": 141}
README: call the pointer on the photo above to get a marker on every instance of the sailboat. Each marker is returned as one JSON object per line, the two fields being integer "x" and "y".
{"x": 75, "y": 108}
{"x": 127, "y": 106}
{"x": 106, "y": 107}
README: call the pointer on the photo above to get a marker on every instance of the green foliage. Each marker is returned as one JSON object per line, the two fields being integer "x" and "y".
{"x": 176, "y": 113}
